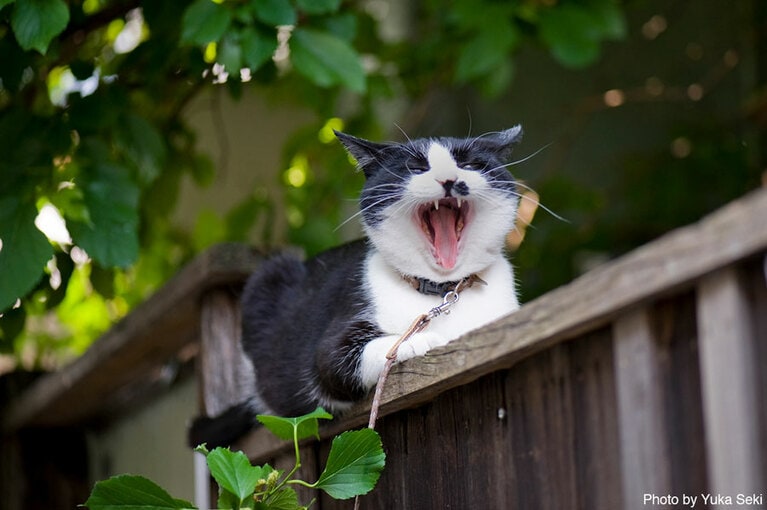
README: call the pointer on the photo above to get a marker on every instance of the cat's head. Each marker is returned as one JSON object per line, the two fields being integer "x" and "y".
{"x": 437, "y": 208}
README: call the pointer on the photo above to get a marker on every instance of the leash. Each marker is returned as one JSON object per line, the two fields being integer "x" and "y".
{"x": 449, "y": 299}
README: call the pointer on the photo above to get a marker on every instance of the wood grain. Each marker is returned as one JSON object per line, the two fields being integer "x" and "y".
{"x": 642, "y": 419}
{"x": 225, "y": 375}
{"x": 730, "y": 385}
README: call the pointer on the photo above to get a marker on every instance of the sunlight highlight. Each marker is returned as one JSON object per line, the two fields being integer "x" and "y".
{"x": 50, "y": 222}
{"x": 326, "y": 134}
{"x": 298, "y": 172}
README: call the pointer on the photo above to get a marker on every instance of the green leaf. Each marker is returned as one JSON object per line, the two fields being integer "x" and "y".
{"x": 257, "y": 48}
{"x": 130, "y": 492}
{"x": 226, "y": 500}
{"x": 274, "y": 12}
{"x": 483, "y": 54}
{"x": 11, "y": 325}
{"x": 304, "y": 426}
{"x": 611, "y": 19}
{"x": 355, "y": 462}
{"x": 230, "y": 55}
{"x": 234, "y": 472}
{"x": 204, "y": 21}
{"x": 341, "y": 25}
{"x": 572, "y": 34}
{"x": 326, "y": 60}
{"x": 24, "y": 253}
{"x": 70, "y": 202}
{"x": 3, "y": 3}
{"x": 112, "y": 199}
{"x": 318, "y": 6}
{"x": 284, "y": 499}
{"x": 497, "y": 82}
{"x": 36, "y": 22}
{"x": 144, "y": 147}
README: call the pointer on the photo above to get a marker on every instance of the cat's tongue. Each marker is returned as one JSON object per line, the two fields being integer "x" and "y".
{"x": 443, "y": 221}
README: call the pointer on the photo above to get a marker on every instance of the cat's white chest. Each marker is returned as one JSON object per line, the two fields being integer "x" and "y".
{"x": 397, "y": 304}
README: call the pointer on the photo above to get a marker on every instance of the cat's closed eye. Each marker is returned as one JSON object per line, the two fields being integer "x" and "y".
{"x": 472, "y": 165}
{"x": 417, "y": 166}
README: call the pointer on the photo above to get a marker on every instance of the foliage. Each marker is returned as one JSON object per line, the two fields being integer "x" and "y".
{"x": 91, "y": 100}
{"x": 354, "y": 464}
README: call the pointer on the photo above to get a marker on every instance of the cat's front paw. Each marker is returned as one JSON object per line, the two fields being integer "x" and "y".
{"x": 374, "y": 354}
{"x": 419, "y": 344}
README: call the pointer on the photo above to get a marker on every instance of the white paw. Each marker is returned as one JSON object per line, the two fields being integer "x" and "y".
{"x": 374, "y": 354}
{"x": 419, "y": 344}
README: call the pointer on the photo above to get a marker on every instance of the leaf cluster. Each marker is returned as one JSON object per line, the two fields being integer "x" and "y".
{"x": 353, "y": 467}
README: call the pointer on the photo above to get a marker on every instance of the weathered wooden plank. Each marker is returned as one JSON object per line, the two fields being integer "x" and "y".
{"x": 658, "y": 269}
{"x": 755, "y": 276}
{"x": 675, "y": 332}
{"x": 597, "y": 452}
{"x": 135, "y": 349}
{"x": 225, "y": 376}
{"x": 645, "y": 461}
{"x": 729, "y": 383}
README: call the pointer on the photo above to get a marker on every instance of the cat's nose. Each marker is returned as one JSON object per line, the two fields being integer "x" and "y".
{"x": 453, "y": 188}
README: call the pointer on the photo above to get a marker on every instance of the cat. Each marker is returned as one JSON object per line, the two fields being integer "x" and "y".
{"x": 435, "y": 211}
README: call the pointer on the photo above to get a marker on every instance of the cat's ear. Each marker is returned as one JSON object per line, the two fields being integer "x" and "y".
{"x": 364, "y": 151}
{"x": 502, "y": 142}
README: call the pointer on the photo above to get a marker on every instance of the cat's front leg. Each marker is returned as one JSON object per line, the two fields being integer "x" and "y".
{"x": 374, "y": 353}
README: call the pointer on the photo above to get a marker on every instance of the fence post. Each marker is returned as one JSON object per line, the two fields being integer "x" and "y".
{"x": 729, "y": 385}
{"x": 641, "y": 416}
{"x": 224, "y": 372}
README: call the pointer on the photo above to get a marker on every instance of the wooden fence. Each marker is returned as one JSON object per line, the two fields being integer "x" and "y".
{"x": 645, "y": 378}
{"x": 641, "y": 384}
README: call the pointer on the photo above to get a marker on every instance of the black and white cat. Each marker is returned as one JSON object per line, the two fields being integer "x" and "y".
{"x": 435, "y": 211}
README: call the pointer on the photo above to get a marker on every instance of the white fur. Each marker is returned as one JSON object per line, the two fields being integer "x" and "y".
{"x": 491, "y": 217}
{"x": 397, "y": 304}
{"x": 401, "y": 248}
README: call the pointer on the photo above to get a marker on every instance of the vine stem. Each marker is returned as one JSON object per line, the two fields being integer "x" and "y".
{"x": 287, "y": 479}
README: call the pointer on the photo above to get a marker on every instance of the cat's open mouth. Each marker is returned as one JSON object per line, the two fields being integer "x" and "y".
{"x": 442, "y": 222}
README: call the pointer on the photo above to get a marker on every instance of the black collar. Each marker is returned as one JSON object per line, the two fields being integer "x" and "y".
{"x": 432, "y": 288}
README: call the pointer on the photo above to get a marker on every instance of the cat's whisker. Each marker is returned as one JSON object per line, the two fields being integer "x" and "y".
{"x": 393, "y": 185}
{"x": 523, "y": 196}
{"x": 379, "y": 200}
{"x": 530, "y": 156}
{"x": 403, "y": 132}
{"x": 520, "y": 161}
{"x": 347, "y": 220}
{"x": 497, "y": 181}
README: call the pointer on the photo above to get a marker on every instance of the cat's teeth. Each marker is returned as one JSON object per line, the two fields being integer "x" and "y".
{"x": 459, "y": 202}
{"x": 436, "y": 205}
